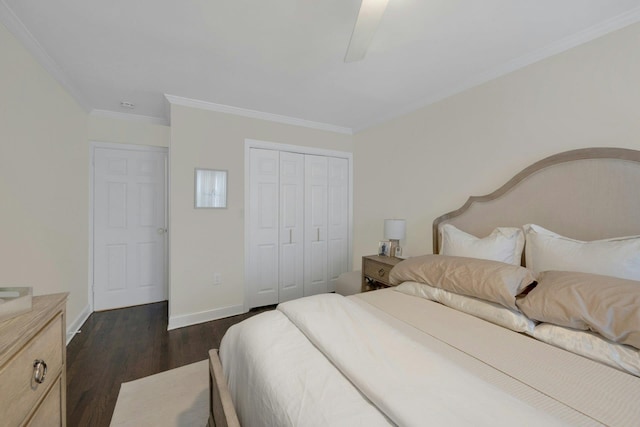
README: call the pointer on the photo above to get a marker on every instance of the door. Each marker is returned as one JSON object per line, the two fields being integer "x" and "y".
{"x": 296, "y": 225}
{"x": 315, "y": 211}
{"x": 263, "y": 274}
{"x": 337, "y": 219}
{"x": 291, "y": 226}
{"x": 129, "y": 226}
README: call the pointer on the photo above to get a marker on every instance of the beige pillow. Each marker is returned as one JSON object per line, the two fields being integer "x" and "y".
{"x": 488, "y": 280}
{"x": 607, "y": 305}
{"x": 504, "y": 244}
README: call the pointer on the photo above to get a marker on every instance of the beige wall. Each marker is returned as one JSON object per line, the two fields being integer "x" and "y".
{"x": 107, "y": 129}
{"x": 427, "y": 163}
{"x": 415, "y": 167}
{"x": 44, "y": 178}
{"x": 205, "y": 241}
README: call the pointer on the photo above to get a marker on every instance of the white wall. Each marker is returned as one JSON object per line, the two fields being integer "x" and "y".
{"x": 205, "y": 241}
{"x": 44, "y": 178}
{"x": 415, "y": 167}
{"x": 427, "y": 163}
{"x": 107, "y": 129}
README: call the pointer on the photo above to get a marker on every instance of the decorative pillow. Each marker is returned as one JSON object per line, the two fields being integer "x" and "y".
{"x": 546, "y": 250}
{"x": 488, "y": 280}
{"x": 592, "y": 346}
{"x": 504, "y": 244}
{"x": 489, "y": 311}
{"x": 607, "y": 305}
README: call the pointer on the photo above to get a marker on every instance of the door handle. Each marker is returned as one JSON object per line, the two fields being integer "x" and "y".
{"x": 161, "y": 230}
{"x": 290, "y": 233}
{"x": 318, "y": 238}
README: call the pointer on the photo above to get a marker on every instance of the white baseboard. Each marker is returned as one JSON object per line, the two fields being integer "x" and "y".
{"x": 183, "y": 320}
{"x": 75, "y": 326}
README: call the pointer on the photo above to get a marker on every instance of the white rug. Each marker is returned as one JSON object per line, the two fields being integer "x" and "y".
{"x": 179, "y": 397}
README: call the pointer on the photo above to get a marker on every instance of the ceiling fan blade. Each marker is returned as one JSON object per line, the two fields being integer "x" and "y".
{"x": 369, "y": 17}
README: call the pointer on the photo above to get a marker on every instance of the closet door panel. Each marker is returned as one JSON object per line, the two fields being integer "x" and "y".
{"x": 291, "y": 284}
{"x": 263, "y": 257}
{"x": 315, "y": 214}
{"x": 338, "y": 219}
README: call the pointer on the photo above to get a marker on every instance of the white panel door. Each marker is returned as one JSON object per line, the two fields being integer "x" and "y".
{"x": 315, "y": 251}
{"x": 338, "y": 219}
{"x": 291, "y": 226}
{"x": 263, "y": 276}
{"x": 129, "y": 227}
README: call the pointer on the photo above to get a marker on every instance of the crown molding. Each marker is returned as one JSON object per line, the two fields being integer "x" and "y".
{"x": 130, "y": 117}
{"x": 616, "y": 23}
{"x": 20, "y": 31}
{"x": 221, "y": 108}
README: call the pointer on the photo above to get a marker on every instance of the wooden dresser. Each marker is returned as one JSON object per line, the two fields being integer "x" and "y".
{"x": 28, "y": 343}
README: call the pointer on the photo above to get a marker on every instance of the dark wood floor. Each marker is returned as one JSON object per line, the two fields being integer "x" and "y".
{"x": 123, "y": 345}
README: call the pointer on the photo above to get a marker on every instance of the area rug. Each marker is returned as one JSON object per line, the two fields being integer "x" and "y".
{"x": 178, "y": 397}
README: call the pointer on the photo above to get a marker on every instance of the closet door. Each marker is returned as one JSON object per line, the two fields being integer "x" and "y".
{"x": 291, "y": 226}
{"x": 315, "y": 215}
{"x": 263, "y": 277}
{"x": 338, "y": 219}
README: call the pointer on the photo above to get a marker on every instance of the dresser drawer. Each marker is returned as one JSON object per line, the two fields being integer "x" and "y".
{"x": 49, "y": 413}
{"x": 377, "y": 271}
{"x": 18, "y": 387}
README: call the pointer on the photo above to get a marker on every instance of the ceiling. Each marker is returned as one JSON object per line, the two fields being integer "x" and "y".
{"x": 284, "y": 59}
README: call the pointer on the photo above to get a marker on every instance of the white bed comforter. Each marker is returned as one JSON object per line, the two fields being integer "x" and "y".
{"x": 276, "y": 377}
{"x": 408, "y": 384}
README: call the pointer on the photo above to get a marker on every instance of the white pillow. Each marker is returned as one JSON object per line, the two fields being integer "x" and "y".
{"x": 590, "y": 345}
{"x": 546, "y": 250}
{"x": 419, "y": 290}
{"x": 504, "y": 244}
{"x": 486, "y": 310}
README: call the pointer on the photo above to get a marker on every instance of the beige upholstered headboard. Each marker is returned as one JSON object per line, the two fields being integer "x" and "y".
{"x": 586, "y": 194}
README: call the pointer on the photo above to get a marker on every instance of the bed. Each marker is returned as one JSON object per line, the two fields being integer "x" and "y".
{"x": 466, "y": 338}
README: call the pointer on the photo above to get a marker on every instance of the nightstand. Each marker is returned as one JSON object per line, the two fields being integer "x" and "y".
{"x": 375, "y": 271}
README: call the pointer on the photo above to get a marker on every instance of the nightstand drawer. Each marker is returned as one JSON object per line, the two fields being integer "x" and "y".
{"x": 377, "y": 271}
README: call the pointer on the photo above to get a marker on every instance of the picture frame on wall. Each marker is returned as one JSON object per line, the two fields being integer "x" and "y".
{"x": 384, "y": 248}
{"x": 210, "y": 189}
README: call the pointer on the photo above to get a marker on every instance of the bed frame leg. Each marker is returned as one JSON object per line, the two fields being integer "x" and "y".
{"x": 221, "y": 410}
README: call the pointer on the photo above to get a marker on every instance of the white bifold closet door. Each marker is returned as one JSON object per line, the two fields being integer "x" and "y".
{"x": 263, "y": 258}
{"x": 291, "y": 226}
{"x": 326, "y": 222}
{"x": 315, "y": 215}
{"x": 298, "y": 224}
{"x": 337, "y": 219}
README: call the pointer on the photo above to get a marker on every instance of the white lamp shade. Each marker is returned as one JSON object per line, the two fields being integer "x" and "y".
{"x": 394, "y": 229}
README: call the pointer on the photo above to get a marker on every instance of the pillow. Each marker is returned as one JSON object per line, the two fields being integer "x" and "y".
{"x": 488, "y": 280}
{"x": 485, "y": 310}
{"x": 607, "y": 305}
{"x": 546, "y": 250}
{"x": 504, "y": 244}
{"x": 419, "y": 290}
{"x": 592, "y": 346}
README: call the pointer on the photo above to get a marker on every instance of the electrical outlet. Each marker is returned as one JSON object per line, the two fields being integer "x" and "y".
{"x": 217, "y": 279}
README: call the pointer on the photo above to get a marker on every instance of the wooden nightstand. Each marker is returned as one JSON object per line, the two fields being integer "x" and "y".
{"x": 375, "y": 271}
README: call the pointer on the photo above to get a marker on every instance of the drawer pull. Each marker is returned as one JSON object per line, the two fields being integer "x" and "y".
{"x": 39, "y": 370}
{"x": 381, "y": 272}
